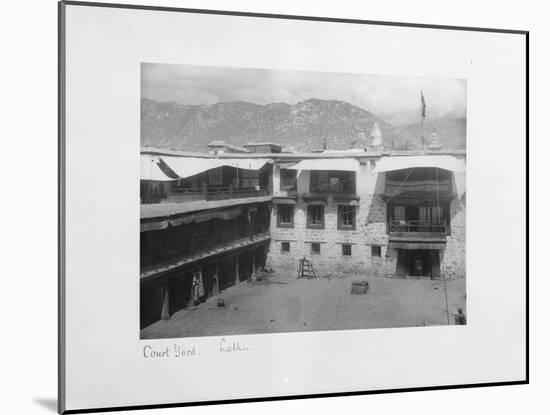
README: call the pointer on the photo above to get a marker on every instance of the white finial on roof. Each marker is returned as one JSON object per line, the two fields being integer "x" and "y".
{"x": 376, "y": 135}
{"x": 435, "y": 142}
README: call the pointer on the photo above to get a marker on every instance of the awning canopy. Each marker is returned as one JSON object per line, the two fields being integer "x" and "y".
{"x": 406, "y": 162}
{"x": 189, "y": 166}
{"x": 338, "y": 164}
{"x": 150, "y": 170}
{"x": 186, "y": 220}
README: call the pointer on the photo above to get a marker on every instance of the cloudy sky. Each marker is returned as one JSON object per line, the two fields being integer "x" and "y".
{"x": 395, "y": 99}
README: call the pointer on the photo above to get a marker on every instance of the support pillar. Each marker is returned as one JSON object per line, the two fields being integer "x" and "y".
{"x": 253, "y": 263}
{"x": 216, "y": 284}
{"x": 236, "y": 269}
{"x": 165, "y": 294}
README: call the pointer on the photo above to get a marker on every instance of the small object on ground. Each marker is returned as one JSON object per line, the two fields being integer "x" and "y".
{"x": 259, "y": 277}
{"x": 359, "y": 287}
{"x": 268, "y": 269}
{"x": 436, "y": 288}
{"x": 193, "y": 308}
{"x": 235, "y": 308}
{"x": 273, "y": 319}
{"x": 305, "y": 269}
{"x": 221, "y": 302}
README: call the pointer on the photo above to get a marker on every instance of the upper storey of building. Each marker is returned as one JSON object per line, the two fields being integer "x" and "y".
{"x": 171, "y": 177}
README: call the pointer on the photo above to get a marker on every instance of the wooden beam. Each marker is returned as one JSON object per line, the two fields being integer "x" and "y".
{"x": 165, "y": 293}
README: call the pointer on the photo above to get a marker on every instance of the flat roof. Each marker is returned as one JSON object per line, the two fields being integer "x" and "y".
{"x": 300, "y": 156}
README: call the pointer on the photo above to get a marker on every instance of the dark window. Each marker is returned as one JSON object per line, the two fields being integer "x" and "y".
{"x": 376, "y": 250}
{"x": 285, "y": 216}
{"x": 399, "y": 213}
{"x": 316, "y": 216}
{"x": 285, "y": 246}
{"x": 346, "y": 250}
{"x": 288, "y": 179}
{"x": 215, "y": 176}
{"x": 332, "y": 181}
{"x": 346, "y": 217}
{"x": 430, "y": 214}
{"x": 315, "y": 248}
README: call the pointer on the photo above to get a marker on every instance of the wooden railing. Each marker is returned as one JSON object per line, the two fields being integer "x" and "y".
{"x": 417, "y": 226}
{"x": 195, "y": 244}
{"x": 217, "y": 192}
{"x": 395, "y": 187}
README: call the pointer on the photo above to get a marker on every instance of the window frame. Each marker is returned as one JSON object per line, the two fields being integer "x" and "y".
{"x": 283, "y": 245}
{"x": 344, "y": 248}
{"x": 313, "y": 251}
{"x": 286, "y": 187}
{"x": 376, "y": 251}
{"x": 280, "y": 223}
{"x": 341, "y": 225}
{"x": 309, "y": 211}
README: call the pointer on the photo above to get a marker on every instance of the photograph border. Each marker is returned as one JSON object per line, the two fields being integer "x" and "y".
{"x": 62, "y": 202}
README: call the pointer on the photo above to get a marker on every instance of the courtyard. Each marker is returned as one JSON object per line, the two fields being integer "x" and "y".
{"x": 282, "y": 303}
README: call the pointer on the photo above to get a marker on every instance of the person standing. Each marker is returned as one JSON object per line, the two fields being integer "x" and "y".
{"x": 460, "y": 318}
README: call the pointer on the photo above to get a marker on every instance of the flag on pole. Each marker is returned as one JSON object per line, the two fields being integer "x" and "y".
{"x": 423, "y": 104}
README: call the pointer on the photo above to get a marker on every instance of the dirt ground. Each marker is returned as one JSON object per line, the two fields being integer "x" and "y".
{"x": 281, "y": 303}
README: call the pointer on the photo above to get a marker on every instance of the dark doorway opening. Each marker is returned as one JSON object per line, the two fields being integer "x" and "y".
{"x": 418, "y": 263}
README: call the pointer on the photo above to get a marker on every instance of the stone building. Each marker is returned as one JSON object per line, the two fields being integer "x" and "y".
{"x": 206, "y": 229}
{"x": 214, "y": 220}
{"x": 399, "y": 214}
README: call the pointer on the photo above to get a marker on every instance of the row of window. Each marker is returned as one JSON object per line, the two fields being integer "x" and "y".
{"x": 316, "y": 217}
{"x": 315, "y": 249}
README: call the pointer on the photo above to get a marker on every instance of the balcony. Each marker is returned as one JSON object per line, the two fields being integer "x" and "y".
{"x": 190, "y": 250}
{"x": 417, "y": 230}
{"x": 214, "y": 193}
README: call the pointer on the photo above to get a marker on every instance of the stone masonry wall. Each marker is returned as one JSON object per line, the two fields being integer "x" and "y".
{"x": 453, "y": 259}
{"x": 370, "y": 231}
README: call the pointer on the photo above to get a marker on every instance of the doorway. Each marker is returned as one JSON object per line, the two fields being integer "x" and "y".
{"x": 418, "y": 263}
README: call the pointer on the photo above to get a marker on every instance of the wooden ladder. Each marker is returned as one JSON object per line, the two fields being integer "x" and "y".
{"x": 305, "y": 269}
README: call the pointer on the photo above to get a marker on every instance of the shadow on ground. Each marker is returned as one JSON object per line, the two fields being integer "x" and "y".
{"x": 48, "y": 403}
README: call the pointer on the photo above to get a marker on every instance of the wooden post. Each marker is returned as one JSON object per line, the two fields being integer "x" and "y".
{"x": 165, "y": 293}
{"x": 236, "y": 269}
{"x": 253, "y": 263}
{"x": 216, "y": 287}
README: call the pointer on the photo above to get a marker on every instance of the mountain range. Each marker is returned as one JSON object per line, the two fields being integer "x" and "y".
{"x": 305, "y": 126}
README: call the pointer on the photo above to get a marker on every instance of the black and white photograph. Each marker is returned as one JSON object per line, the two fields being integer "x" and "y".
{"x": 285, "y": 201}
{"x": 283, "y": 206}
